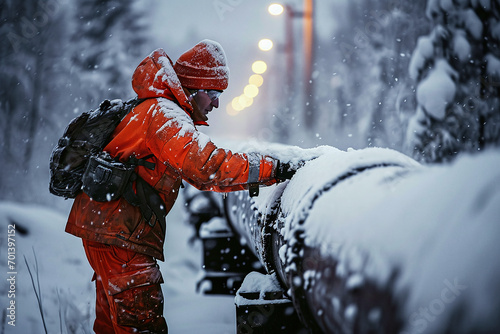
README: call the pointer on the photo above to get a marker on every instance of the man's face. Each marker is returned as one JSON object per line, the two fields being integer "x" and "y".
{"x": 206, "y": 100}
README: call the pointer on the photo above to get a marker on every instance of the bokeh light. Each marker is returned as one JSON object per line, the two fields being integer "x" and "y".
{"x": 231, "y": 111}
{"x": 256, "y": 79}
{"x": 236, "y": 105}
{"x": 275, "y": 9}
{"x": 251, "y": 91}
{"x": 259, "y": 67}
{"x": 245, "y": 101}
{"x": 265, "y": 44}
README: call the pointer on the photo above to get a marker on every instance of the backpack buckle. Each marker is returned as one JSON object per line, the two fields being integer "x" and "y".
{"x": 102, "y": 174}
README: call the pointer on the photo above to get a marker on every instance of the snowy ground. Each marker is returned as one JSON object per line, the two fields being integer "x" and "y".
{"x": 64, "y": 275}
{"x": 185, "y": 310}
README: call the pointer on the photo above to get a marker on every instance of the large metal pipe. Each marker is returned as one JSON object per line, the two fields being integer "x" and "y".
{"x": 369, "y": 241}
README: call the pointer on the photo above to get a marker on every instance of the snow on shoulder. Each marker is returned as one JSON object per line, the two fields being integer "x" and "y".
{"x": 177, "y": 117}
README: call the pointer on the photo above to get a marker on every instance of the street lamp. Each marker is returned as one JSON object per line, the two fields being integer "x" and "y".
{"x": 259, "y": 67}
{"x": 265, "y": 44}
{"x": 251, "y": 90}
{"x": 308, "y": 43}
{"x": 256, "y": 79}
{"x": 276, "y": 9}
{"x": 288, "y": 85}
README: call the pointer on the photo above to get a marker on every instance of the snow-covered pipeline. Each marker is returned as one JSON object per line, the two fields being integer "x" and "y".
{"x": 371, "y": 241}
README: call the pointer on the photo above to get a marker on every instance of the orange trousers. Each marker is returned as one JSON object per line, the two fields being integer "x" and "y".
{"x": 128, "y": 292}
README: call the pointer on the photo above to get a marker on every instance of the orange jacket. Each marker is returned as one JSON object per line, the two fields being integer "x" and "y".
{"x": 162, "y": 126}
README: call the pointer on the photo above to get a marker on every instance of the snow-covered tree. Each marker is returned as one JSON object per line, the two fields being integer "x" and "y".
{"x": 398, "y": 27}
{"x": 31, "y": 66}
{"x": 42, "y": 88}
{"x": 365, "y": 95}
{"x": 457, "y": 70}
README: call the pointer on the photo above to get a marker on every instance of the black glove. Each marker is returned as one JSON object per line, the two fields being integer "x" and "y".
{"x": 284, "y": 171}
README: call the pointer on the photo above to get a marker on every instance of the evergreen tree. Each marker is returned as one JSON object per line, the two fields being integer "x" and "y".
{"x": 456, "y": 68}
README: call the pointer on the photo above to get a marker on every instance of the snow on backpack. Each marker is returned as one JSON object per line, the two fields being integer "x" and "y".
{"x": 78, "y": 163}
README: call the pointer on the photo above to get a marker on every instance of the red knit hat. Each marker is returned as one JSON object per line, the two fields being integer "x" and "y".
{"x": 203, "y": 67}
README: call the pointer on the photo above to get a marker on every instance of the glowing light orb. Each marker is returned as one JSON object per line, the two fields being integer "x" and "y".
{"x": 259, "y": 67}
{"x": 231, "y": 111}
{"x": 251, "y": 91}
{"x": 275, "y": 9}
{"x": 245, "y": 101}
{"x": 265, "y": 44}
{"x": 256, "y": 79}
{"x": 235, "y": 103}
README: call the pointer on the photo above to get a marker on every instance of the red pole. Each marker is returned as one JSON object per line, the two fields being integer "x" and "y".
{"x": 309, "y": 111}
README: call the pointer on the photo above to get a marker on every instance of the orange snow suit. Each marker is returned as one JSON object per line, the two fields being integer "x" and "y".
{"x": 161, "y": 126}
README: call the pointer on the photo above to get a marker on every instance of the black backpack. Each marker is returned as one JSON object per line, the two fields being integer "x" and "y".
{"x": 78, "y": 163}
{"x": 85, "y": 136}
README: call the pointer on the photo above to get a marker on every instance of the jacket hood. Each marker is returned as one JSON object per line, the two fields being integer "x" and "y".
{"x": 155, "y": 77}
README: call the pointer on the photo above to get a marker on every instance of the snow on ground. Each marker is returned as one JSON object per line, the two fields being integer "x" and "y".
{"x": 64, "y": 274}
{"x": 186, "y": 310}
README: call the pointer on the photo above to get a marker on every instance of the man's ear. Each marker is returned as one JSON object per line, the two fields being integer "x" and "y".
{"x": 193, "y": 103}
{"x": 190, "y": 98}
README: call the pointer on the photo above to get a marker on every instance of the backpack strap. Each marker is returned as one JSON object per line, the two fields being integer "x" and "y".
{"x": 145, "y": 197}
{"x": 131, "y": 104}
{"x": 142, "y": 161}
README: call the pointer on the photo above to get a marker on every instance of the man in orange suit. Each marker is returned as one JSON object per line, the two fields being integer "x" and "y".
{"x": 121, "y": 245}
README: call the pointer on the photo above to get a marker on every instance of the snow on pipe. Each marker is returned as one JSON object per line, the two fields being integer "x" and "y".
{"x": 369, "y": 241}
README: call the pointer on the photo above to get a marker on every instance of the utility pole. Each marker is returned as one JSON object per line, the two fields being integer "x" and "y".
{"x": 308, "y": 43}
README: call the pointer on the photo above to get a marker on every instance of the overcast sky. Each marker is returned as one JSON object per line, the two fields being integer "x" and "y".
{"x": 238, "y": 25}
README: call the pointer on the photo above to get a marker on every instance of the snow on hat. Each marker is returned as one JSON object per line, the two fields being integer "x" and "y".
{"x": 203, "y": 67}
